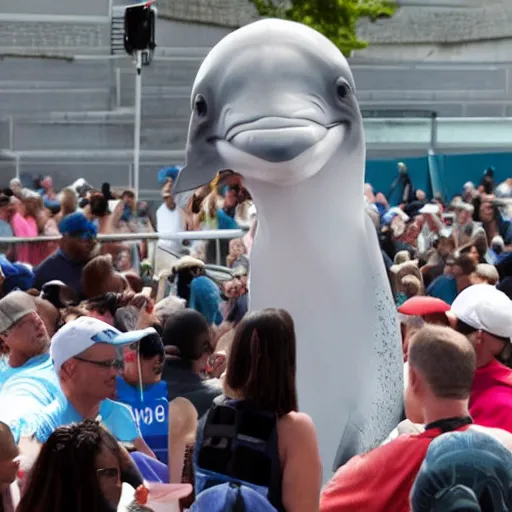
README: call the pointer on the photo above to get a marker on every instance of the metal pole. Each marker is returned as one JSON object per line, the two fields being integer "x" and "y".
{"x": 18, "y": 166}
{"x": 118, "y": 88}
{"x": 433, "y": 131}
{"x": 136, "y": 141}
{"x": 11, "y": 133}
{"x": 217, "y": 251}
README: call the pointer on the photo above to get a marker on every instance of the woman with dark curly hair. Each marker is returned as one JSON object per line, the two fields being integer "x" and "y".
{"x": 78, "y": 469}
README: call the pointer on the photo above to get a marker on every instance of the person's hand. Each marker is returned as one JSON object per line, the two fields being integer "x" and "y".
{"x": 125, "y": 299}
{"x": 219, "y": 331}
{"x": 217, "y": 365}
{"x": 147, "y": 317}
{"x": 139, "y": 300}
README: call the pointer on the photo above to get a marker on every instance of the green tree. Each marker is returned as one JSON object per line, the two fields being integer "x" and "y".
{"x": 336, "y": 19}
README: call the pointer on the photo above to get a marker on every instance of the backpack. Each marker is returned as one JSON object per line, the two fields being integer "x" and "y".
{"x": 237, "y": 444}
{"x": 231, "y": 497}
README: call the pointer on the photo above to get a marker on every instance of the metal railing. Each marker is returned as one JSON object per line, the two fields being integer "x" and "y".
{"x": 215, "y": 235}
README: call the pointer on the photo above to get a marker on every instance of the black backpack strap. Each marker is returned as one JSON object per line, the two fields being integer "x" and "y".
{"x": 275, "y": 492}
{"x": 450, "y": 424}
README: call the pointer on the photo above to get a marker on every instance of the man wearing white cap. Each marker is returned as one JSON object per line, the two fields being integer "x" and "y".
{"x": 484, "y": 315}
{"x": 86, "y": 357}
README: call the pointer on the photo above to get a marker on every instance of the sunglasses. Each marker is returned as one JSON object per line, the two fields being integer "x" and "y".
{"x": 83, "y": 236}
{"x": 118, "y": 364}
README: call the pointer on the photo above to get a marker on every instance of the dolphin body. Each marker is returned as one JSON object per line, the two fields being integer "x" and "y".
{"x": 275, "y": 101}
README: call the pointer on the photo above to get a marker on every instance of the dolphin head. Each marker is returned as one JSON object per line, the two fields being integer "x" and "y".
{"x": 273, "y": 101}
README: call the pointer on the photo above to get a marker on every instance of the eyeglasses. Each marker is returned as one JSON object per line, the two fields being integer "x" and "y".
{"x": 108, "y": 473}
{"x": 118, "y": 364}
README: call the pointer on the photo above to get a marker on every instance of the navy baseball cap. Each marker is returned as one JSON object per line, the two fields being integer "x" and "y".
{"x": 77, "y": 225}
{"x": 231, "y": 497}
{"x": 464, "y": 471}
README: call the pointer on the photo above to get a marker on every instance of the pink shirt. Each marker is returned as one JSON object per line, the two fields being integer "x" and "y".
{"x": 490, "y": 403}
{"x": 24, "y": 227}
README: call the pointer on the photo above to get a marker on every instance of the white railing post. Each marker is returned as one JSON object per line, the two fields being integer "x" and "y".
{"x": 217, "y": 251}
{"x": 118, "y": 88}
{"x": 11, "y": 133}
{"x": 130, "y": 176}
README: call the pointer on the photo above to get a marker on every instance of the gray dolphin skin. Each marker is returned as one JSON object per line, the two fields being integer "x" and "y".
{"x": 275, "y": 102}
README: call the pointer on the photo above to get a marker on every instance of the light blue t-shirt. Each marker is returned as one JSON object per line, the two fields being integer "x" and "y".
{"x": 26, "y": 389}
{"x": 116, "y": 417}
{"x": 5, "y": 232}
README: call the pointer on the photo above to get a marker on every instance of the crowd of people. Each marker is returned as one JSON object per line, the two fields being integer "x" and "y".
{"x": 133, "y": 377}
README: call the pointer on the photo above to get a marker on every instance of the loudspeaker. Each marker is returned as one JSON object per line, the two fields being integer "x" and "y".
{"x": 139, "y": 28}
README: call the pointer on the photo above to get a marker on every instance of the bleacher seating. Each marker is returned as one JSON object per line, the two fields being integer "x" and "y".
{"x": 74, "y": 114}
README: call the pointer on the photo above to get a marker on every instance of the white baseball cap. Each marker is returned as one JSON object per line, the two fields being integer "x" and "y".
{"x": 429, "y": 209}
{"x": 83, "y": 333}
{"x": 484, "y": 308}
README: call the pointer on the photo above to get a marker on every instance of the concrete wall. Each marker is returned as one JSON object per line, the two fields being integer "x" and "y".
{"x": 54, "y": 35}
{"x": 59, "y": 7}
{"x": 491, "y": 19}
{"x": 181, "y": 34}
{"x": 228, "y": 13}
{"x": 499, "y": 50}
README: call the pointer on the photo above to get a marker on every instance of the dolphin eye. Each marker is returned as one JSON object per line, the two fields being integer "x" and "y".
{"x": 200, "y": 106}
{"x": 342, "y": 89}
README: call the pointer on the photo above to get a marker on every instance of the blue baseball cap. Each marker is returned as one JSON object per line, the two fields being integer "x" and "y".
{"x": 168, "y": 172}
{"x": 231, "y": 497}
{"x": 460, "y": 471}
{"x": 76, "y": 224}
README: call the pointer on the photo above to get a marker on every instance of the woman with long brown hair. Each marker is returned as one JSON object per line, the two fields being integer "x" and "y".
{"x": 260, "y": 379}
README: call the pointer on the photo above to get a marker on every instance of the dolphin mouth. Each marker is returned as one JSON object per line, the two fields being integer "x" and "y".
{"x": 276, "y": 139}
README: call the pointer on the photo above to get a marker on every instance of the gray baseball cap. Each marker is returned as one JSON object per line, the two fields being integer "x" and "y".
{"x": 14, "y": 307}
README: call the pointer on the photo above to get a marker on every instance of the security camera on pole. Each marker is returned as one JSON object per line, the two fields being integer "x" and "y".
{"x": 139, "y": 42}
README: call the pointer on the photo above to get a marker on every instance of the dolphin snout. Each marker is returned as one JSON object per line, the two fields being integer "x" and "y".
{"x": 278, "y": 143}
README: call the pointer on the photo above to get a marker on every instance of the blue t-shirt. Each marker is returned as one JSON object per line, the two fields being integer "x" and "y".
{"x": 225, "y": 221}
{"x": 27, "y": 388}
{"x": 116, "y": 417}
{"x": 444, "y": 288}
{"x": 59, "y": 266}
{"x": 151, "y": 413}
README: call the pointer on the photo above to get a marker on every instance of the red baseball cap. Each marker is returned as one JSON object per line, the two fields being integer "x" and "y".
{"x": 421, "y": 306}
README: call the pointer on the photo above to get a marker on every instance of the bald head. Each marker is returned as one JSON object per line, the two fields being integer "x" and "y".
{"x": 445, "y": 359}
